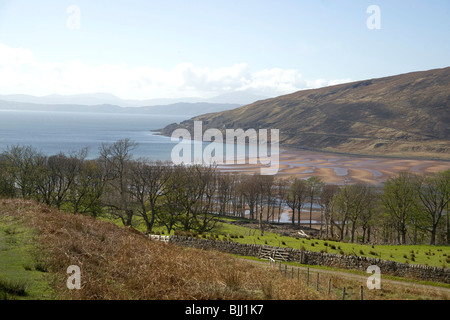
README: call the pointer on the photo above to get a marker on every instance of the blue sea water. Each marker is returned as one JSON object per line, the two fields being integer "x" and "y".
{"x": 54, "y": 132}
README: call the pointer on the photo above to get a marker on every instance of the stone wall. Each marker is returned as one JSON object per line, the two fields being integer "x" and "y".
{"x": 316, "y": 258}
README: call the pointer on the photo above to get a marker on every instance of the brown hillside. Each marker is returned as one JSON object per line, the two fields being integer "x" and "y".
{"x": 406, "y": 115}
{"x": 121, "y": 263}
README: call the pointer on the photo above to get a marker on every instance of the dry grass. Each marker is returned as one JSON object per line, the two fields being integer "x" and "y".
{"x": 118, "y": 263}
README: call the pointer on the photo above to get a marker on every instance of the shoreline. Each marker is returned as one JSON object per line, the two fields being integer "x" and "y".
{"x": 339, "y": 168}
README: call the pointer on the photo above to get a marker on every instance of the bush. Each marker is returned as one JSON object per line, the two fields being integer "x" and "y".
{"x": 15, "y": 287}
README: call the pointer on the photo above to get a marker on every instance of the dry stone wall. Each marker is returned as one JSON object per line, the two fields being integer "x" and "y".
{"x": 316, "y": 258}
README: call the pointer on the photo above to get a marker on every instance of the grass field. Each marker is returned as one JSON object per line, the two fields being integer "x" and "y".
{"x": 20, "y": 276}
{"x": 435, "y": 256}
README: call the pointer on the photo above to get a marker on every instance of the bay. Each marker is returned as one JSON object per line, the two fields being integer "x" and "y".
{"x": 54, "y": 132}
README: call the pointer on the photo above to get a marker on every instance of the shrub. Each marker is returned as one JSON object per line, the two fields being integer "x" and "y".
{"x": 15, "y": 287}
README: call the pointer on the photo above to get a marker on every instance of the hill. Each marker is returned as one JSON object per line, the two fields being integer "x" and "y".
{"x": 405, "y": 115}
{"x": 121, "y": 263}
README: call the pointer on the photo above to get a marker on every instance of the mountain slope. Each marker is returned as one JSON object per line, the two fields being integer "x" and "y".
{"x": 406, "y": 115}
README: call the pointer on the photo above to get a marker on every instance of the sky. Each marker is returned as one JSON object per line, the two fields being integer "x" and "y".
{"x": 148, "y": 49}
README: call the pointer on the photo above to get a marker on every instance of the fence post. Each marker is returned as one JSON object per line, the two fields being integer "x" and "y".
{"x": 317, "y": 282}
{"x": 329, "y": 286}
{"x": 343, "y": 294}
{"x": 307, "y": 276}
{"x": 361, "y": 293}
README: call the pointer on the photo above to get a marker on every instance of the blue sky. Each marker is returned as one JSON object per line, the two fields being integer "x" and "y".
{"x": 175, "y": 48}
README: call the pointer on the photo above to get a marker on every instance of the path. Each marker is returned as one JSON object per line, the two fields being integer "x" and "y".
{"x": 360, "y": 277}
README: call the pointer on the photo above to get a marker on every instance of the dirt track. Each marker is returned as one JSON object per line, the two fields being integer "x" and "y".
{"x": 363, "y": 279}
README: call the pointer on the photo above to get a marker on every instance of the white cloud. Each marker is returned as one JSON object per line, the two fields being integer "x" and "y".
{"x": 22, "y": 72}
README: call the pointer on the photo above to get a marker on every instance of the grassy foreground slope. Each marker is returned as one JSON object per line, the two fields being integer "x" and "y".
{"x": 121, "y": 263}
{"x": 21, "y": 276}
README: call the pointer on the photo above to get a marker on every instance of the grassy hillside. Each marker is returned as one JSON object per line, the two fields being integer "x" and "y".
{"x": 436, "y": 256}
{"x": 405, "y": 115}
{"x": 121, "y": 263}
{"x": 21, "y": 276}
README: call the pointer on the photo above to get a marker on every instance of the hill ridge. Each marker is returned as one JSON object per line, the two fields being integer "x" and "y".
{"x": 404, "y": 115}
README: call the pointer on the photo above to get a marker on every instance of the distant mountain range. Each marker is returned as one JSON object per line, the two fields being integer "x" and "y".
{"x": 236, "y": 98}
{"x": 405, "y": 115}
{"x": 108, "y": 103}
{"x": 182, "y": 108}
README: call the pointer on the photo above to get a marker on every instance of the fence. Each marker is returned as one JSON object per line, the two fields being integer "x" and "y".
{"x": 316, "y": 258}
{"x": 307, "y": 277}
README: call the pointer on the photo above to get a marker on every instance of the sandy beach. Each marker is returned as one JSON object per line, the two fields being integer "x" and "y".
{"x": 341, "y": 169}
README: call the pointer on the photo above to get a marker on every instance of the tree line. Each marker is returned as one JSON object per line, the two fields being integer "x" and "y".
{"x": 408, "y": 208}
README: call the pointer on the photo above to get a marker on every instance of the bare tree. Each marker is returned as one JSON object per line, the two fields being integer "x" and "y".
{"x": 315, "y": 185}
{"x": 115, "y": 159}
{"x": 434, "y": 194}
{"x": 63, "y": 171}
{"x": 148, "y": 182}
{"x": 282, "y": 187}
{"x": 400, "y": 200}
{"x": 87, "y": 189}
{"x": 326, "y": 202}
{"x": 295, "y": 197}
{"x": 250, "y": 191}
{"x": 21, "y": 163}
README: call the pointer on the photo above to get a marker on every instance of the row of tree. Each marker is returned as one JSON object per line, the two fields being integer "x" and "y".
{"x": 408, "y": 208}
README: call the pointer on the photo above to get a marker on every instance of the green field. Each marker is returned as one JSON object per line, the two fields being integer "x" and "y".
{"x": 21, "y": 277}
{"x": 436, "y": 256}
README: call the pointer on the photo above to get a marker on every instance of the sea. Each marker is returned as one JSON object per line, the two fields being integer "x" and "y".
{"x": 55, "y": 132}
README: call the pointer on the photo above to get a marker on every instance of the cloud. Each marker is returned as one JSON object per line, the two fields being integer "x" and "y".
{"x": 22, "y": 72}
